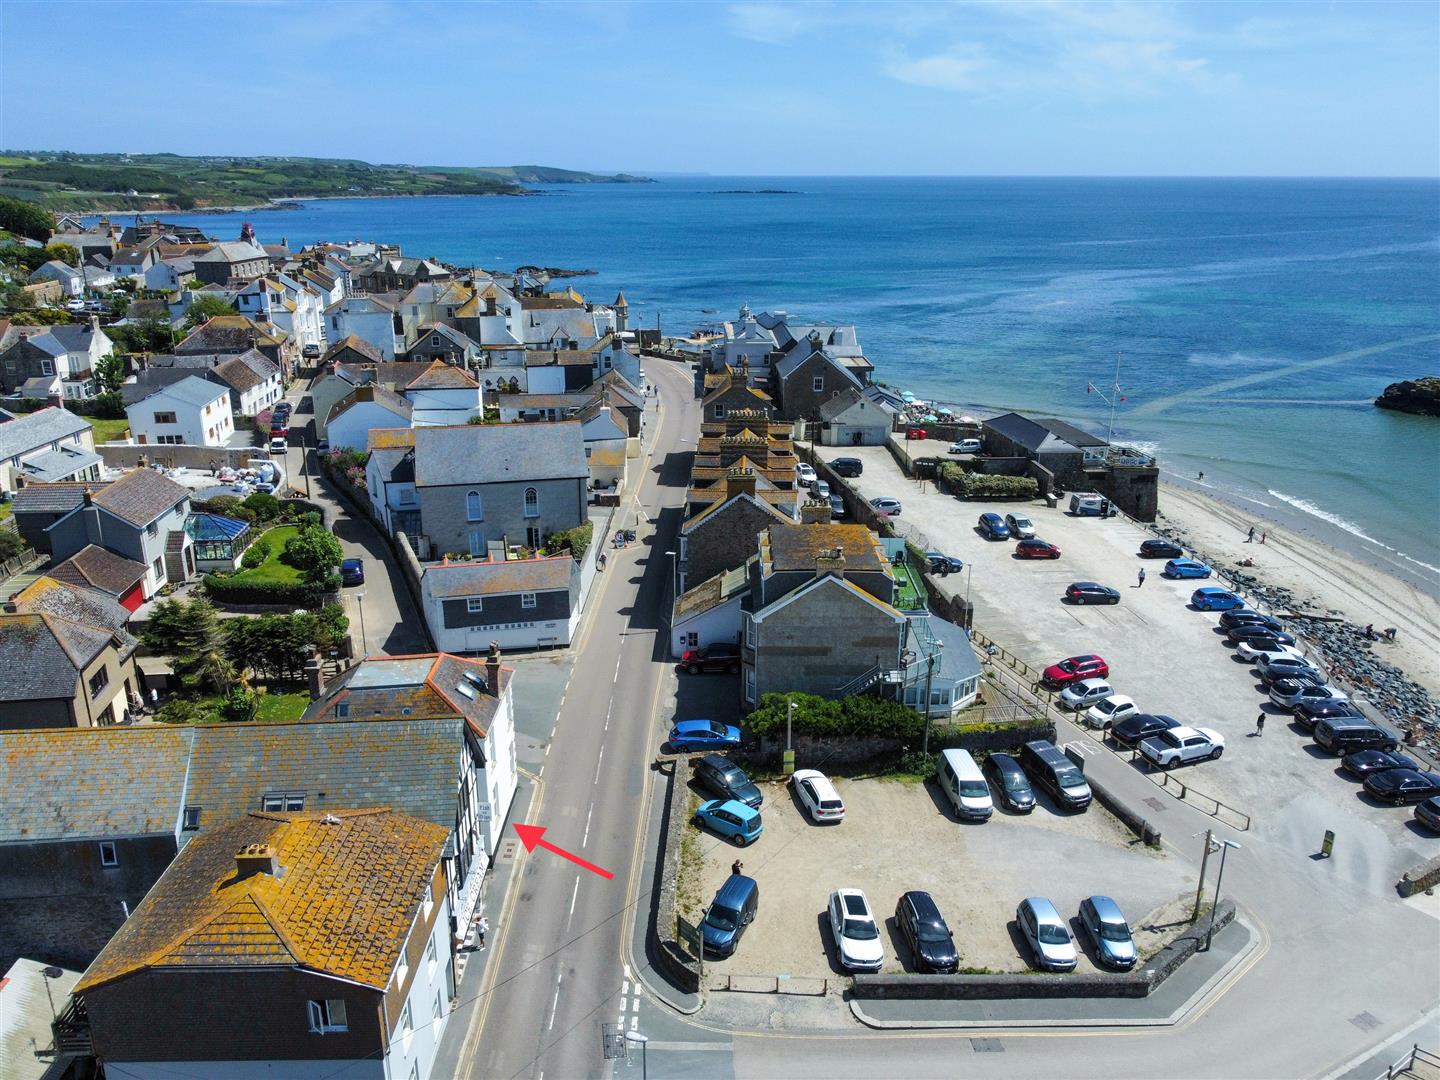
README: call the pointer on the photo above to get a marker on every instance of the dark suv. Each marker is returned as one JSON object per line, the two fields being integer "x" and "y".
{"x": 711, "y": 658}
{"x": 848, "y": 466}
{"x": 726, "y": 779}
{"x": 1160, "y": 549}
{"x": 1342, "y": 734}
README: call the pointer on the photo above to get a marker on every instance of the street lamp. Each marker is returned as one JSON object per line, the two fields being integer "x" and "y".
{"x": 1225, "y": 846}
{"x": 360, "y": 606}
{"x": 637, "y": 1037}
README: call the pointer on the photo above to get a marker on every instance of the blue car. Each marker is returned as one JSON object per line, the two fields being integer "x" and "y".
{"x": 352, "y": 572}
{"x": 703, "y": 735}
{"x": 994, "y": 527}
{"x": 1212, "y": 599}
{"x": 1183, "y": 568}
{"x": 731, "y": 819}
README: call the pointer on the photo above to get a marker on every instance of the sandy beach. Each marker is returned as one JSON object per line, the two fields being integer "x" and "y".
{"x": 1322, "y": 577}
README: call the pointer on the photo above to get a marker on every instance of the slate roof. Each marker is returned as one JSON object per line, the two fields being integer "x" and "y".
{"x": 794, "y": 547}
{"x": 376, "y": 393}
{"x": 388, "y": 374}
{"x": 786, "y": 367}
{"x": 496, "y": 453}
{"x": 396, "y": 465}
{"x": 353, "y": 344}
{"x": 57, "y": 498}
{"x": 523, "y": 402}
{"x": 483, "y": 578}
{"x": 43, "y": 655}
{"x": 352, "y": 884}
{"x": 192, "y": 390}
{"x": 232, "y": 251}
{"x": 77, "y": 603}
{"x": 442, "y": 376}
{"x": 228, "y": 334}
{"x": 37, "y": 429}
{"x": 59, "y": 464}
{"x": 99, "y": 569}
{"x": 848, "y": 399}
{"x": 1041, "y": 435}
{"x": 141, "y": 495}
{"x": 427, "y": 685}
{"x": 153, "y": 379}
{"x": 246, "y": 371}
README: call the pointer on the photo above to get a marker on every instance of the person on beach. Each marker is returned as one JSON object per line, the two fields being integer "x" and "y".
{"x": 1141, "y": 579}
{"x": 1260, "y": 726}
{"x": 1200, "y": 476}
{"x": 1251, "y": 538}
{"x": 1262, "y": 537}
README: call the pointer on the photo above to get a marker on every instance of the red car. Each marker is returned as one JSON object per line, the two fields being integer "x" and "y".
{"x": 1036, "y": 549}
{"x": 1074, "y": 669}
{"x": 917, "y": 433}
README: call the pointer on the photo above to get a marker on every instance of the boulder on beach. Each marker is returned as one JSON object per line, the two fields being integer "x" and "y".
{"x": 1418, "y": 396}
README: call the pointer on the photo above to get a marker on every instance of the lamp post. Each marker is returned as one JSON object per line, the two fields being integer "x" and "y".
{"x": 637, "y": 1037}
{"x": 925, "y": 709}
{"x": 360, "y": 607}
{"x": 1225, "y": 846}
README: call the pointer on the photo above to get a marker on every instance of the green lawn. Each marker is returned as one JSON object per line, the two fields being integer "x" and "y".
{"x": 275, "y": 708}
{"x": 910, "y": 596}
{"x": 108, "y": 430}
{"x": 272, "y": 569}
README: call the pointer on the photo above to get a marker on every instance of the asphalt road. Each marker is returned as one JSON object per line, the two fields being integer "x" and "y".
{"x": 557, "y": 974}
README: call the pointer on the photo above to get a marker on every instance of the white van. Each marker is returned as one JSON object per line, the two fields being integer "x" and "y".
{"x": 960, "y": 778}
{"x": 1089, "y": 505}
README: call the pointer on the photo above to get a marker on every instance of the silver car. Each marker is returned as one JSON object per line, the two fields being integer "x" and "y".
{"x": 1102, "y": 920}
{"x": 1021, "y": 527}
{"x": 1046, "y": 934}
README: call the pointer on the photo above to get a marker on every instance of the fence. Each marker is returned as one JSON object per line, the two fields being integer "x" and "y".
{"x": 1407, "y": 1064}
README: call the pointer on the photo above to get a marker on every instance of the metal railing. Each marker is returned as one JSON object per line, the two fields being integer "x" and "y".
{"x": 1236, "y": 819}
{"x": 1414, "y": 1056}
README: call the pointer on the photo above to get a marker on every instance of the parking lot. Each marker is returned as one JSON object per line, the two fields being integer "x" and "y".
{"x": 1170, "y": 658}
{"x": 899, "y": 836}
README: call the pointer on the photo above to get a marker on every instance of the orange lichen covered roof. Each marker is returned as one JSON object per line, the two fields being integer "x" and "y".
{"x": 348, "y": 888}
{"x": 390, "y": 438}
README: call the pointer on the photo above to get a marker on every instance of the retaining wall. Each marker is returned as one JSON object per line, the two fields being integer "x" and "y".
{"x": 987, "y": 738}
{"x": 129, "y": 455}
{"x": 672, "y": 959}
{"x": 1419, "y": 878}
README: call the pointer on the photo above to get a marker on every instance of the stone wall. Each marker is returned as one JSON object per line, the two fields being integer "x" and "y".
{"x": 673, "y": 960}
{"x": 853, "y": 750}
{"x": 1420, "y": 878}
{"x": 128, "y": 455}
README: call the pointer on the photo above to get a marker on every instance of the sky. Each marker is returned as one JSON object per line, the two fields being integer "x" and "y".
{"x": 972, "y": 87}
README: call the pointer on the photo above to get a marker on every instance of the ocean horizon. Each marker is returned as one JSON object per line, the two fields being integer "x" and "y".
{"x": 1256, "y": 319}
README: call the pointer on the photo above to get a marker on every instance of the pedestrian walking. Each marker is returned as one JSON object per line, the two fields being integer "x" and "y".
{"x": 1140, "y": 578}
{"x": 1262, "y": 537}
{"x": 1200, "y": 476}
{"x": 481, "y": 929}
{"x": 1251, "y": 538}
{"x": 736, "y": 867}
{"x": 1260, "y": 725}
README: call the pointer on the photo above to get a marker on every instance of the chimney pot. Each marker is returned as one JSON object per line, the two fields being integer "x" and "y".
{"x": 492, "y": 667}
{"x": 314, "y": 675}
{"x": 830, "y": 562}
{"x": 256, "y": 859}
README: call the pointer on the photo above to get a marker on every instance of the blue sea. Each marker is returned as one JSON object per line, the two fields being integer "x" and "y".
{"x": 1254, "y": 320}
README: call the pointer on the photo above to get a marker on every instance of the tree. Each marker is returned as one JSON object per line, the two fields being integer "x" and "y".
{"x": 314, "y": 552}
{"x": 10, "y": 544}
{"x": 181, "y": 628}
{"x": 265, "y": 506}
{"x": 203, "y": 308}
{"x": 208, "y": 673}
{"x": 26, "y": 219}
{"x": 69, "y": 254}
{"x": 110, "y": 372}
{"x": 147, "y": 335}
{"x": 239, "y": 705}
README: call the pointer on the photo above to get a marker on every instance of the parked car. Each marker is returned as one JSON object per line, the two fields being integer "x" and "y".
{"x": 690, "y": 735}
{"x": 278, "y": 445}
{"x": 821, "y": 489}
{"x": 1091, "y": 592}
{"x": 1047, "y": 766}
{"x": 726, "y": 779}
{"x": 937, "y": 562}
{"x": 887, "y": 506}
{"x": 311, "y": 352}
{"x": 1046, "y": 934}
{"x": 1346, "y": 734}
{"x": 1084, "y": 693}
{"x": 1256, "y": 632}
{"x": 818, "y": 796}
{"x": 1213, "y": 599}
{"x": 1287, "y": 693}
{"x": 1310, "y": 713}
{"x": 717, "y": 657}
{"x": 857, "y": 937}
{"x": 993, "y": 527}
{"x": 805, "y": 474}
{"x": 352, "y": 572}
{"x": 964, "y": 446}
{"x": 837, "y": 506}
{"x": 733, "y": 909}
{"x": 964, "y": 785}
{"x": 1073, "y": 668}
{"x": 932, "y": 945}
{"x": 1401, "y": 786}
{"x": 1288, "y": 667}
{"x": 1103, "y": 921}
{"x": 279, "y": 428}
{"x": 1253, "y": 649}
{"x": 1185, "y": 568}
{"x": 1183, "y": 745}
{"x": 731, "y": 819}
{"x": 1249, "y": 617}
{"x": 322, "y": 446}
{"x": 1035, "y": 548}
{"x": 1362, "y": 763}
{"x": 1109, "y": 711}
{"x": 1020, "y": 526}
{"x": 916, "y": 433}
{"x": 1428, "y": 814}
{"x": 848, "y": 466}
{"x": 1010, "y": 782}
{"x": 1160, "y": 549}
{"x": 1134, "y": 730}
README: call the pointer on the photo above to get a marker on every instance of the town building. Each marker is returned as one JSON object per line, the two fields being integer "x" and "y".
{"x": 71, "y": 279}
{"x": 45, "y": 446}
{"x": 231, "y": 261}
{"x": 524, "y": 603}
{"x": 70, "y": 352}
{"x": 190, "y": 412}
{"x": 852, "y": 419}
{"x": 369, "y": 318}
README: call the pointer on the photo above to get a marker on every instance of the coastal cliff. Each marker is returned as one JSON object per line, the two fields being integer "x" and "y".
{"x": 1418, "y": 396}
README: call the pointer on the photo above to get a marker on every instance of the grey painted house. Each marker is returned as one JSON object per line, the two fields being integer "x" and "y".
{"x": 478, "y": 483}
{"x": 519, "y": 603}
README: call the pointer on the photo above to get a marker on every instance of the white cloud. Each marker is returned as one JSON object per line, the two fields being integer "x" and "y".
{"x": 959, "y": 68}
{"x": 771, "y": 24}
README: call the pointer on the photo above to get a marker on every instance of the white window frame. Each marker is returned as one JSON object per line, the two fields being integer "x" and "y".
{"x": 402, "y": 972}
{"x": 750, "y": 686}
{"x": 431, "y": 960}
{"x": 474, "y": 605}
{"x": 474, "y": 506}
{"x": 108, "y": 855}
{"x": 190, "y": 820}
{"x": 47, "y": 367}
{"x": 404, "y": 1028}
{"x": 750, "y": 631}
{"x": 327, "y": 1016}
{"x": 531, "y": 500}
{"x": 427, "y": 905}
{"x": 527, "y": 599}
{"x": 817, "y": 384}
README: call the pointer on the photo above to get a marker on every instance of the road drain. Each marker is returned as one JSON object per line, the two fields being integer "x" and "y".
{"x": 987, "y": 1046}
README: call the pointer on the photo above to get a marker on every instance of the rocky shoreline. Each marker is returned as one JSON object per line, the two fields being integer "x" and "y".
{"x": 1420, "y": 397}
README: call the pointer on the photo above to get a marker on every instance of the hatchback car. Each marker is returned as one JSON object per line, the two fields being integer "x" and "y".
{"x": 1035, "y": 548}
{"x": 1084, "y": 693}
{"x": 1108, "y": 712}
{"x": 726, "y": 779}
{"x": 1362, "y": 763}
{"x": 848, "y": 466}
{"x": 731, "y": 819}
{"x": 1073, "y": 668}
{"x": 1020, "y": 526}
{"x": 1287, "y": 693}
{"x": 352, "y": 572}
{"x": 964, "y": 446}
{"x": 1185, "y": 568}
{"x": 857, "y": 937}
{"x": 805, "y": 474}
{"x": 937, "y": 562}
{"x": 1134, "y": 730}
{"x": 993, "y": 527}
{"x": 886, "y": 506}
{"x": 1107, "y": 928}
{"x": 718, "y": 657}
{"x": 1046, "y": 934}
{"x": 837, "y": 506}
{"x": 1428, "y": 813}
{"x": 1160, "y": 549}
{"x": 690, "y": 735}
{"x": 1400, "y": 786}
{"x": 818, "y": 796}
{"x": 821, "y": 488}
{"x": 1011, "y": 784}
{"x": 278, "y": 445}
{"x": 932, "y": 945}
{"x": 1213, "y": 599}
{"x": 1091, "y": 592}
{"x": 1256, "y": 632}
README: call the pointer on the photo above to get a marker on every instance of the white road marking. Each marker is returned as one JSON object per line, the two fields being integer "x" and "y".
{"x": 597, "y": 765}
{"x": 627, "y": 972}
{"x": 555, "y": 1002}
{"x": 586, "y": 838}
{"x": 634, "y": 1022}
{"x": 624, "y": 988}
{"x": 573, "y": 894}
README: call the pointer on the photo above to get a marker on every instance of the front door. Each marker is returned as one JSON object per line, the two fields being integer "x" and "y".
{"x": 532, "y": 537}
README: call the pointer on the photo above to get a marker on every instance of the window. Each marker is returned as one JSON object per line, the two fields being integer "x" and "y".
{"x": 191, "y": 819}
{"x": 402, "y": 972}
{"x": 47, "y": 367}
{"x": 439, "y": 1005}
{"x": 474, "y": 511}
{"x": 430, "y": 960}
{"x": 404, "y": 1029}
{"x": 819, "y": 384}
{"x": 282, "y": 802}
{"x": 342, "y": 709}
{"x": 719, "y": 412}
{"x": 750, "y": 686}
{"x": 164, "y": 418}
{"x": 474, "y": 605}
{"x": 527, "y": 599}
{"x": 327, "y": 1015}
{"x": 427, "y": 904}
{"x": 749, "y": 631}
{"x": 532, "y": 502}
{"x": 108, "y": 855}
{"x": 158, "y": 567}
{"x": 99, "y": 681}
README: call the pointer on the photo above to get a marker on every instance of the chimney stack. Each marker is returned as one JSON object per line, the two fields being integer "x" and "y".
{"x": 814, "y": 512}
{"x": 739, "y": 481}
{"x": 314, "y": 678}
{"x": 830, "y": 562}
{"x": 256, "y": 859}
{"x": 492, "y": 668}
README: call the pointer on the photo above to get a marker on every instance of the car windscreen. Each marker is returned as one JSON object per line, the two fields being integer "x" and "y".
{"x": 1015, "y": 781}
{"x": 1115, "y": 931}
{"x": 1050, "y": 934}
{"x": 722, "y": 918}
{"x": 974, "y": 789}
{"x": 861, "y": 930}
{"x": 933, "y": 933}
{"x": 1022, "y": 523}
{"x": 1069, "y": 777}
{"x": 734, "y": 777}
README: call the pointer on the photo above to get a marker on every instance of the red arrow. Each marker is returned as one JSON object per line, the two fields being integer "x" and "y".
{"x": 530, "y": 836}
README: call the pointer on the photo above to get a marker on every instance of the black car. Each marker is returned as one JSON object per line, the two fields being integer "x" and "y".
{"x": 1310, "y": 713}
{"x": 1400, "y": 786}
{"x": 1364, "y": 762}
{"x": 1160, "y": 549}
{"x": 726, "y": 779}
{"x": 718, "y": 657}
{"x": 1248, "y": 617}
{"x": 1091, "y": 592}
{"x": 930, "y": 940}
{"x": 1134, "y": 730}
{"x": 847, "y": 466}
{"x": 1290, "y": 668}
{"x": 1346, "y": 734}
{"x": 1258, "y": 632}
{"x": 937, "y": 562}
{"x": 1011, "y": 784}
{"x": 1428, "y": 813}
{"x": 352, "y": 572}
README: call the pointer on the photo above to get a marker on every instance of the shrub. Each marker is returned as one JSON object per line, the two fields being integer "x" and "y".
{"x": 10, "y": 544}
{"x": 239, "y": 705}
{"x": 576, "y": 541}
{"x": 816, "y": 716}
{"x": 310, "y": 519}
{"x": 223, "y": 588}
{"x": 265, "y": 507}
{"x": 973, "y": 485}
{"x": 255, "y": 554}
{"x": 183, "y": 711}
{"x": 314, "y": 552}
